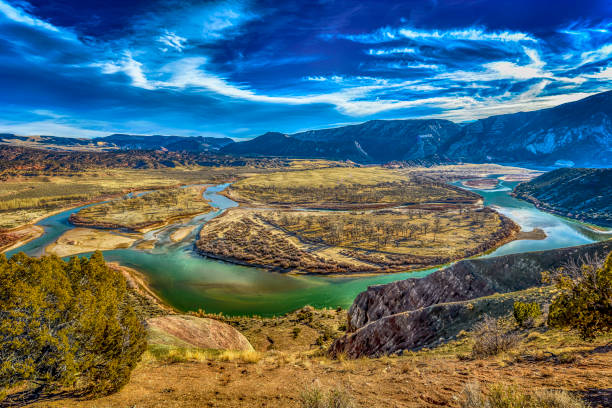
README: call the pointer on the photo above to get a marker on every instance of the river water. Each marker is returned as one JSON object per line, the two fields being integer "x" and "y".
{"x": 189, "y": 281}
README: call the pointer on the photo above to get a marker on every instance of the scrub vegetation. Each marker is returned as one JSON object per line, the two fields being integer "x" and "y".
{"x": 352, "y": 220}
{"x": 66, "y": 324}
{"x": 144, "y": 211}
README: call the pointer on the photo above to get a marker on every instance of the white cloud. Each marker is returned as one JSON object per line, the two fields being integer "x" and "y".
{"x": 604, "y": 74}
{"x": 390, "y": 51}
{"x": 130, "y": 67}
{"x": 599, "y": 54}
{"x": 48, "y": 128}
{"x": 20, "y": 16}
{"x": 172, "y": 40}
{"x": 388, "y": 34}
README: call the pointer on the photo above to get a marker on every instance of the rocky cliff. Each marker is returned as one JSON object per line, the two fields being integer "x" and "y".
{"x": 414, "y": 313}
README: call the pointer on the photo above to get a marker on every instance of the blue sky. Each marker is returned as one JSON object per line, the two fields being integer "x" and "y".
{"x": 241, "y": 68}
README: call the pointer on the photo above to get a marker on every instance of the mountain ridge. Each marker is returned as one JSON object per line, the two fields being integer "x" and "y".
{"x": 576, "y": 133}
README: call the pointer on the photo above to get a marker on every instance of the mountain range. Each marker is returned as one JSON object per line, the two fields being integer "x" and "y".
{"x": 577, "y": 133}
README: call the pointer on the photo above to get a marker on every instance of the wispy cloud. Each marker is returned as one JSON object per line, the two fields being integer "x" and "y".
{"x": 172, "y": 40}
{"x": 390, "y": 34}
{"x": 130, "y": 67}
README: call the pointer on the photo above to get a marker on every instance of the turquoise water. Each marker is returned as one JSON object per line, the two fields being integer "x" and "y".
{"x": 190, "y": 282}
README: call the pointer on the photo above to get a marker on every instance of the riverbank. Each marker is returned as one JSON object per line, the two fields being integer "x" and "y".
{"x": 17, "y": 237}
{"x": 80, "y": 240}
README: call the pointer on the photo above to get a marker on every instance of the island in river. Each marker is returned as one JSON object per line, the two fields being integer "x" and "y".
{"x": 351, "y": 221}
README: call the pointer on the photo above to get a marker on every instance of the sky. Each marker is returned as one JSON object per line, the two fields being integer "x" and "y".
{"x": 239, "y": 68}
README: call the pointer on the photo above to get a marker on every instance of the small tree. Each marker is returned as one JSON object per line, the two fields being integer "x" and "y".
{"x": 66, "y": 324}
{"x": 585, "y": 301}
{"x": 525, "y": 313}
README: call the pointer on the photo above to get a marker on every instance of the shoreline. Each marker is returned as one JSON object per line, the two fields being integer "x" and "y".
{"x": 39, "y": 232}
{"x": 142, "y": 286}
{"x": 586, "y": 222}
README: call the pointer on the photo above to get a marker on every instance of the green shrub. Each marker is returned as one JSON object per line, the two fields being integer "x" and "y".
{"x": 66, "y": 324}
{"x": 526, "y": 313}
{"x": 585, "y": 301}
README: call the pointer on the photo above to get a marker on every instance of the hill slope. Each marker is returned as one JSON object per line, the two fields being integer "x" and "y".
{"x": 367, "y": 142}
{"x": 578, "y": 132}
{"x": 584, "y": 194}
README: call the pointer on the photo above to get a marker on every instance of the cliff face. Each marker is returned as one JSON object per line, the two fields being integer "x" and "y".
{"x": 415, "y": 313}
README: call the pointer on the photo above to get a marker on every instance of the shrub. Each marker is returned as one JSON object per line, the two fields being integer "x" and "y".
{"x": 66, "y": 324}
{"x": 501, "y": 396}
{"x": 490, "y": 338}
{"x": 296, "y": 332}
{"x": 585, "y": 301}
{"x": 316, "y": 398}
{"x": 525, "y": 313}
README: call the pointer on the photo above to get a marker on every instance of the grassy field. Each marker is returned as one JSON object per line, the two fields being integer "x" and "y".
{"x": 146, "y": 211}
{"x": 353, "y": 242}
{"x": 390, "y": 222}
{"x": 337, "y": 188}
{"x": 24, "y": 200}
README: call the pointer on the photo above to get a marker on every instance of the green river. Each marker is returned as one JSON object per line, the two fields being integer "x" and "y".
{"x": 189, "y": 281}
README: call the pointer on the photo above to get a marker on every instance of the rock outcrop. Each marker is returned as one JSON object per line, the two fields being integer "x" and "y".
{"x": 415, "y": 313}
{"x": 194, "y": 332}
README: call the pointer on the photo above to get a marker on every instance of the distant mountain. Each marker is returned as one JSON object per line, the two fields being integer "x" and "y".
{"x": 120, "y": 141}
{"x": 577, "y": 133}
{"x": 584, "y": 194}
{"x": 156, "y": 142}
{"x": 376, "y": 141}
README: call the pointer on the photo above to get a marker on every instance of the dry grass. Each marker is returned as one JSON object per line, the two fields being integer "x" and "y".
{"x": 344, "y": 188}
{"x": 145, "y": 211}
{"x": 424, "y": 379}
{"x": 24, "y": 200}
{"x": 505, "y": 396}
{"x": 169, "y": 354}
{"x": 353, "y": 242}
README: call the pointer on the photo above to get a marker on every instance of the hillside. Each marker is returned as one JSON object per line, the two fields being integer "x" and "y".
{"x": 415, "y": 313}
{"x": 119, "y": 142}
{"x": 578, "y": 132}
{"x": 367, "y": 142}
{"x": 584, "y": 194}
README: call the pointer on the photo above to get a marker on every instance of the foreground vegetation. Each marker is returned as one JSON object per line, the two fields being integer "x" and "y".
{"x": 503, "y": 362}
{"x": 66, "y": 324}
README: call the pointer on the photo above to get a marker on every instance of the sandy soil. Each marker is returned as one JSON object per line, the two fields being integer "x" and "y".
{"x": 181, "y": 233}
{"x": 79, "y": 240}
{"x": 536, "y": 234}
{"x": 278, "y": 380}
{"x": 481, "y": 184}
